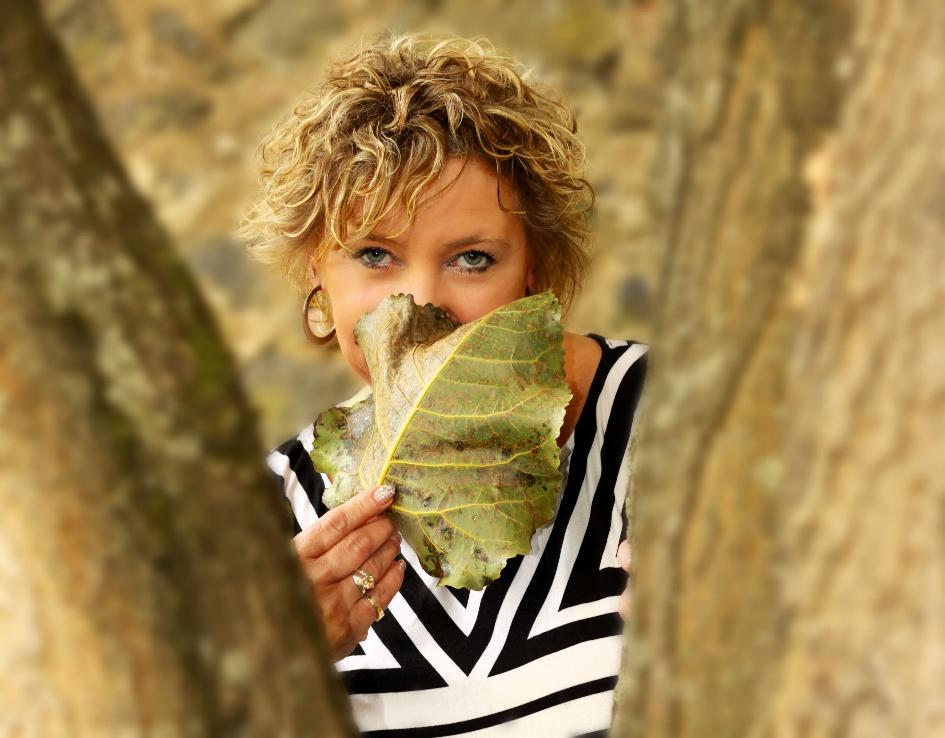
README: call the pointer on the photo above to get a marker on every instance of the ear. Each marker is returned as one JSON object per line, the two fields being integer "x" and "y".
{"x": 530, "y": 278}
{"x": 313, "y": 278}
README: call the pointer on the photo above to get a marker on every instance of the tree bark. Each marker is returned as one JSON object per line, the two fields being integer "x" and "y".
{"x": 788, "y": 505}
{"x": 147, "y": 586}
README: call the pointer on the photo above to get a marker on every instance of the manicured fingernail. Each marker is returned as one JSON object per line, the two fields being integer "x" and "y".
{"x": 384, "y": 493}
{"x": 403, "y": 564}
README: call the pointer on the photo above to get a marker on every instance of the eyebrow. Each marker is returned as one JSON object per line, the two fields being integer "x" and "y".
{"x": 464, "y": 241}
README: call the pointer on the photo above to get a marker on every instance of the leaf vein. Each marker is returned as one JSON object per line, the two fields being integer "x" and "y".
{"x": 458, "y": 465}
{"x": 479, "y": 416}
{"x": 533, "y": 360}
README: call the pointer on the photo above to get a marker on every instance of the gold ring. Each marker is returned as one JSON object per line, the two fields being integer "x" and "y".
{"x": 377, "y": 608}
{"x": 364, "y": 581}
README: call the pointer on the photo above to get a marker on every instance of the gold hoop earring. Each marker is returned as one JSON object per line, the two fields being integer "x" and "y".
{"x": 317, "y": 338}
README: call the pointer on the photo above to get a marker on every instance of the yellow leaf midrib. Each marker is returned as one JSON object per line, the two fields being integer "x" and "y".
{"x": 460, "y": 465}
{"x": 422, "y": 395}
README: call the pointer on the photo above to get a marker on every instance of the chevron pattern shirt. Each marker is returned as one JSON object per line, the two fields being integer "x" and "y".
{"x": 537, "y": 651}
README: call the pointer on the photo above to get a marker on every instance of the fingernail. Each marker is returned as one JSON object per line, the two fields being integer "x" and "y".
{"x": 384, "y": 493}
{"x": 403, "y": 564}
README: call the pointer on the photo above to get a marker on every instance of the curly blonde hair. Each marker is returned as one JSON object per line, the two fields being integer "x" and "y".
{"x": 384, "y": 123}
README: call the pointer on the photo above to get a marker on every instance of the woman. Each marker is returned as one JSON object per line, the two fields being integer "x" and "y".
{"x": 430, "y": 167}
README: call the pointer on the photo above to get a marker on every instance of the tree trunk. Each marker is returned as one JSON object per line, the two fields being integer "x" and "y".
{"x": 788, "y": 503}
{"x": 146, "y": 584}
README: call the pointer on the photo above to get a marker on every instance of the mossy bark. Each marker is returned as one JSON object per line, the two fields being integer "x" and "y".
{"x": 148, "y": 585}
{"x": 788, "y": 508}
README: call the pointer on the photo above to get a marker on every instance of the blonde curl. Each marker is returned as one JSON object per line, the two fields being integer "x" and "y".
{"x": 380, "y": 130}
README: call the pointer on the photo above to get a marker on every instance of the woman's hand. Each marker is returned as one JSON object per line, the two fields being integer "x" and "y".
{"x": 623, "y": 558}
{"x": 354, "y": 535}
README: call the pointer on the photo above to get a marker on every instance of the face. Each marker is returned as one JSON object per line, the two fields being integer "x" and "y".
{"x": 462, "y": 253}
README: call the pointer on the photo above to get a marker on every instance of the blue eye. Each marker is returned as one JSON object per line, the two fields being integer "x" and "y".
{"x": 482, "y": 261}
{"x": 481, "y": 258}
{"x": 371, "y": 250}
{"x": 476, "y": 261}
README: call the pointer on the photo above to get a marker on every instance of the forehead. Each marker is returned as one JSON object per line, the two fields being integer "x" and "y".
{"x": 468, "y": 190}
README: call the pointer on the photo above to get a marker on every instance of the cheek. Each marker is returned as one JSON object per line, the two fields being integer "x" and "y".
{"x": 344, "y": 325}
{"x": 346, "y": 305}
{"x": 346, "y": 314}
{"x": 354, "y": 356}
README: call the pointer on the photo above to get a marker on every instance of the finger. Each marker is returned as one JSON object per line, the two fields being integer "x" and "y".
{"x": 351, "y": 553}
{"x": 377, "y": 565}
{"x": 354, "y": 550}
{"x": 623, "y": 555}
{"x": 363, "y": 614}
{"x": 338, "y": 522}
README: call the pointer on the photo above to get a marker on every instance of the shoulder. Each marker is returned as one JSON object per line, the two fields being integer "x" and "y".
{"x": 623, "y": 375}
{"x": 625, "y": 361}
{"x": 582, "y": 354}
{"x": 301, "y": 484}
{"x": 603, "y": 370}
{"x": 627, "y": 350}
{"x": 586, "y": 356}
{"x": 280, "y": 457}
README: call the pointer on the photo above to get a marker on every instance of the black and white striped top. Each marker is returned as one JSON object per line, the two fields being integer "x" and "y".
{"x": 535, "y": 653}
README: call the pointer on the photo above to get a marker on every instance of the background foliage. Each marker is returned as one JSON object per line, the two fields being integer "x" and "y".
{"x": 186, "y": 90}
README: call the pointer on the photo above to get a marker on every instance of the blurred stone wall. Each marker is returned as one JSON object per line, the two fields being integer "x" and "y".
{"x": 186, "y": 91}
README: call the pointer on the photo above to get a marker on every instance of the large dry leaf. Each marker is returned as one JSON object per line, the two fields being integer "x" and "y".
{"x": 463, "y": 419}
